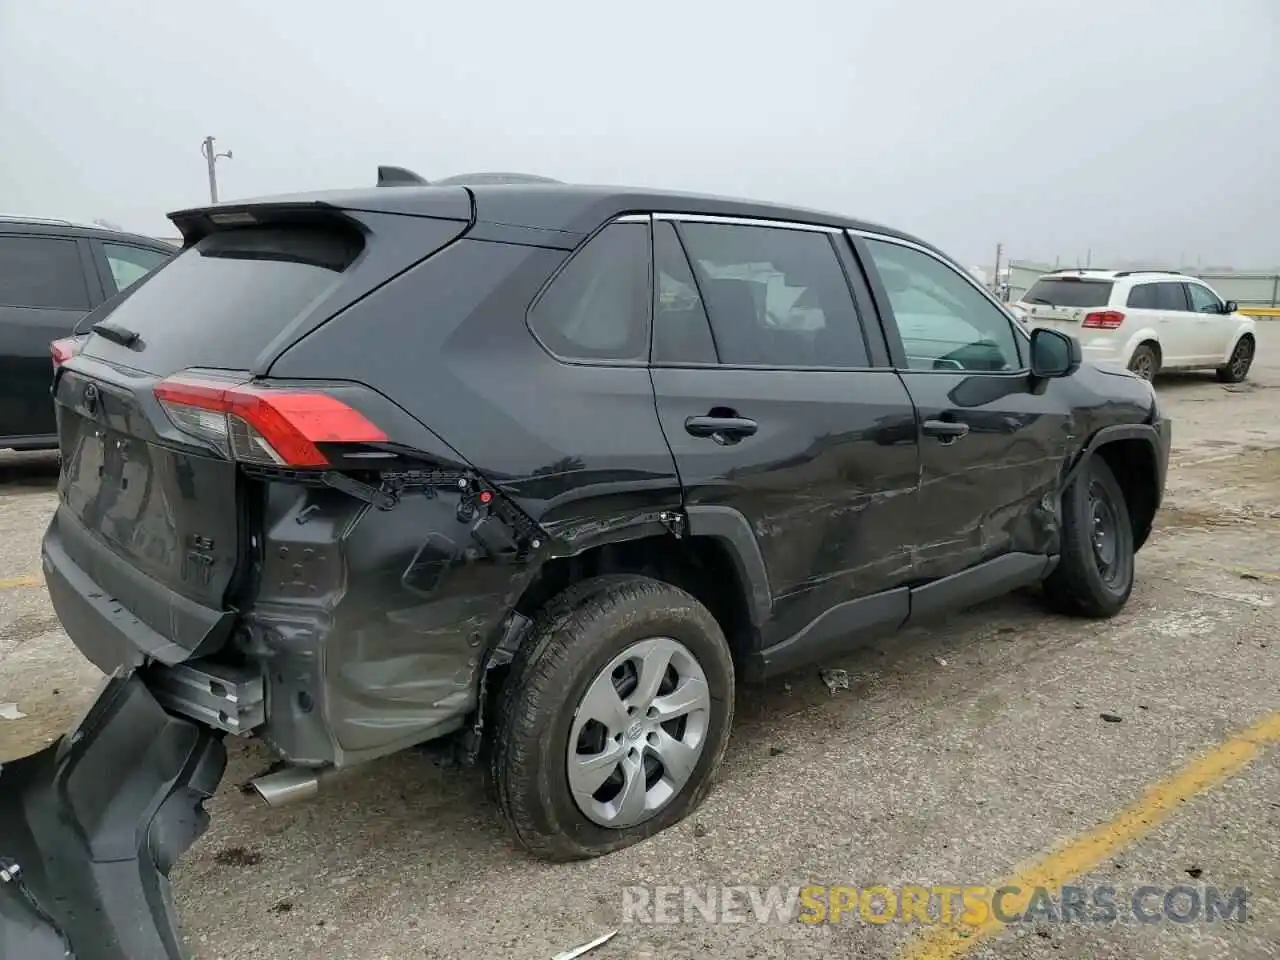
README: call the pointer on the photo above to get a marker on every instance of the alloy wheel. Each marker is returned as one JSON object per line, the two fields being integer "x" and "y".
{"x": 638, "y": 733}
{"x": 1241, "y": 357}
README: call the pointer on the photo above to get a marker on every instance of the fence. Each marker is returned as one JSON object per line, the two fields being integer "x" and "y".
{"x": 1250, "y": 290}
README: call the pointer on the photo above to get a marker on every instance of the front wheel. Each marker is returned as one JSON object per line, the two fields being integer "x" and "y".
{"x": 1094, "y": 576}
{"x": 613, "y": 719}
{"x": 1237, "y": 368}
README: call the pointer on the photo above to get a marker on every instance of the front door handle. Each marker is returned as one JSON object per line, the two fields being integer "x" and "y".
{"x": 946, "y": 431}
{"x": 721, "y": 429}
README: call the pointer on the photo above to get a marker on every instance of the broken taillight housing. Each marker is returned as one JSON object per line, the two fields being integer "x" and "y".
{"x": 1103, "y": 319}
{"x": 64, "y": 349}
{"x": 258, "y": 424}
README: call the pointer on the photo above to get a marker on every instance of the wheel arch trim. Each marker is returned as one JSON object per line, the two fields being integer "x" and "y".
{"x": 732, "y": 529}
{"x": 1119, "y": 431}
{"x": 1145, "y": 335}
{"x": 1247, "y": 330}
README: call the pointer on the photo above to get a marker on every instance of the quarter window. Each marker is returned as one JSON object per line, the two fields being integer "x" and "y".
{"x": 1203, "y": 300}
{"x": 130, "y": 264}
{"x": 777, "y": 297}
{"x": 597, "y": 307}
{"x": 945, "y": 323}
{"x": 42, "y": 272}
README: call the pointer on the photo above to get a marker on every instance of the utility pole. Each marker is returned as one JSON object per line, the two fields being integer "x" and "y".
{"x": 211, "y": 158}
{"x": 995, "y": 280}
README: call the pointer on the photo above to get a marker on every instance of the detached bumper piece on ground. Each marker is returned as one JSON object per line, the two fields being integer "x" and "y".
{"x": 91, "y": 825}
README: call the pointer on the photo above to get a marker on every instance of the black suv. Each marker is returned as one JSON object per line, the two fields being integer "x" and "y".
{"x": 53, "y": 272}
{"x": 546, "y": 468}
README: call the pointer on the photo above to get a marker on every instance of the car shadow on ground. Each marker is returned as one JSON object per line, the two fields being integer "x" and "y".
{"x": 415, "y": 804}
{"x": 22, "y": 471}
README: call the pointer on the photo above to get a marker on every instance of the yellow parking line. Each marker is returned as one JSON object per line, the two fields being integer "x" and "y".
{"x": 13, "y": 583}
{"x": 1085, "y": 852}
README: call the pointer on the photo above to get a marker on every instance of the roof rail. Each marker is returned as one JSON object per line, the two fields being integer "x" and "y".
{"x": 1130, "y": 273}
{"x": 399, "y": 177}
{"x": 51, "y": 221}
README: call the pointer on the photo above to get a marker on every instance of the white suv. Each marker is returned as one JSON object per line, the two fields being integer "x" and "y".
{"x": 1147, "y": 321}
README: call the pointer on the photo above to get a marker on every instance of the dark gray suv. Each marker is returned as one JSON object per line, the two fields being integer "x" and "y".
{"x": 53, "y": 272}
{"x": 543, "y": 470}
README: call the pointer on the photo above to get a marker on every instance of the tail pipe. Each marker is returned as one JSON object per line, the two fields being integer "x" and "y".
{"x": 290, "y": 785}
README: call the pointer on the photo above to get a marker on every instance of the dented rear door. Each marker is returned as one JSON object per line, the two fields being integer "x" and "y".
{"x": 820, "y": 463}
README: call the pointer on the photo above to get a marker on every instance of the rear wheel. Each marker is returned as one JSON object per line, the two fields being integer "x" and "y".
{"x": 613, "y": 719}
{"x": 1145, "y": 362}
{"x": 1094, "y": 576}
{"x": 1237, "y": 368}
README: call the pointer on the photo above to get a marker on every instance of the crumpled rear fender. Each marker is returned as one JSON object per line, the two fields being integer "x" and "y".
{"x": 90, "y": 827}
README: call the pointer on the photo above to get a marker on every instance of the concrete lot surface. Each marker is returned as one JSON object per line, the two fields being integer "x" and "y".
{"x": 975, "y": 753}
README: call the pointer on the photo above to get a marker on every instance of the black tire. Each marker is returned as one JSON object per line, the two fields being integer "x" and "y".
{"x": 575, "y": 637}
{"x": 1082, "y": 583}
{"x": 1237, "y": 367}
{"x": 1145, "y": 361}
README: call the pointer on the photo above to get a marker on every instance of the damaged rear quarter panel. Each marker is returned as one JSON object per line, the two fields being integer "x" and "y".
{"x": 389, "y": 649}
{"x": 372, "y": 623}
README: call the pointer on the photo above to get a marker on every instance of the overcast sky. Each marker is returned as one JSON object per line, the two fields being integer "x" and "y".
{"x": 1132, "y": 128}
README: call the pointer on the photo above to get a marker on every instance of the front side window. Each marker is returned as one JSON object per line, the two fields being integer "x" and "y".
{"x": 43, "y": 273}
{"x": 945, "y": 323}
{"x": 597, "y": 307}
{"x": 1203, "y": 300}
{"x": 129, "y": 264}
{"x": 777, "y": 297}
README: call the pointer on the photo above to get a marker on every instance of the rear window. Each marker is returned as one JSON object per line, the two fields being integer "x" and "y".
{"x": 1069, "y": 292}
{"x": 221, "y": 302}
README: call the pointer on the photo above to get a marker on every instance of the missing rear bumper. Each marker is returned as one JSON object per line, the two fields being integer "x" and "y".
{"x": 91, "y": 826}
{"x": 219, "y": 695}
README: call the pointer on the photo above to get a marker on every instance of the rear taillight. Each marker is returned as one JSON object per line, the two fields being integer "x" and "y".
{"x": 1104, "y": 319}
{"x": 63, "y": 350}
{"x": 257, "y": 424}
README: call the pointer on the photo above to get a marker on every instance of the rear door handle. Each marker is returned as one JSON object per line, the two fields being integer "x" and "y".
{"x": 945, "y": 430}
{"x": 721, "y": 429}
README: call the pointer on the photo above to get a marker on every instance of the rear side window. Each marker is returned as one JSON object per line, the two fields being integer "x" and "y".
{"x": 129, "y": 264}
{"x": 1069, "y": 292}
{"x": 777, "y": 297}
{"x": 1170, "y": 296}
{"x": 681, "y": 331}
{"x": 44, "y": 273}
{"x": 220, "y": 302}
{"x": 597, "y": 307}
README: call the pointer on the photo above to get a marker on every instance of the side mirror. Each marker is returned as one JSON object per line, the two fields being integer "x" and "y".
{"x": 1054, "y": 354}
{"x": 1230, "y": 307}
